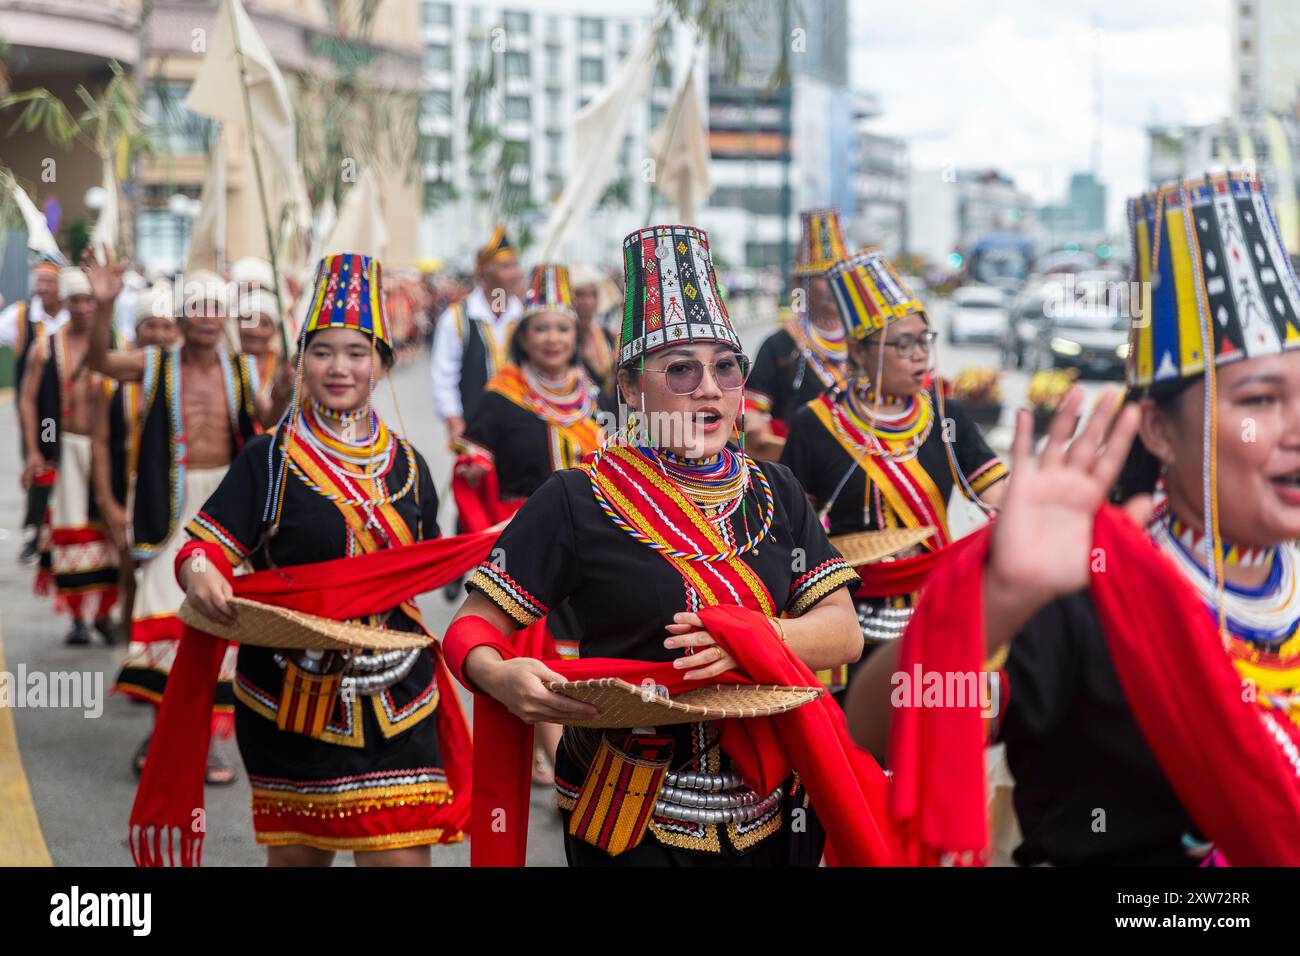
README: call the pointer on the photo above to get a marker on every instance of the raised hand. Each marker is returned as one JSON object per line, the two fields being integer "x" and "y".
{"x": 105, "y": 274}
{"x": 1042, "y": 540}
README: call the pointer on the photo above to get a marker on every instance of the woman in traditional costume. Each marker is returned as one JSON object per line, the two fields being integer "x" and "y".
{"x": 537, "y": 416}
{"x": 885, "y": 452}
{"x": 1145, "y": 682}
{"x": 676, "y": 554}
{"x": 808, "y": 354}
{"x": 365, "y": 772}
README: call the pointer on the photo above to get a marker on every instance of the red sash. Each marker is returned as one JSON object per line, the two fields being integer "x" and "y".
{"x": 166, "y": 818}
{"x": 913, "y": 498}
{"x": 1219, "y": 750}
{"x": 848, "y": 789}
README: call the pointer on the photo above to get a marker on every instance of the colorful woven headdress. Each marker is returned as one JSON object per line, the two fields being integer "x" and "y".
{"x": 821, "y": 242}
{"x": 672, "y": 295}
{"x": 1212, "y": 273}
{"x": 348, "y": 295}
{"x": 497, "y": 247}
{"x": 869, "y": 293}
{"x": 549, "y": 290}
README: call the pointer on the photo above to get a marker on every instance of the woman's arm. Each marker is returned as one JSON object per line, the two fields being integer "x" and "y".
{"x": 1040, "y": 545}
{"x": 518, "y": 683}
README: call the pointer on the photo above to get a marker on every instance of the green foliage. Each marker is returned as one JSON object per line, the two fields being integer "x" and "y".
{"x": 76, "y": 237}
{"x": 111, "y": 124}
{"x": 342, "y": 114}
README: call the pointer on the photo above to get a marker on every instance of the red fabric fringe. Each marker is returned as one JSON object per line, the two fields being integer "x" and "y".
{"x": 171, "y": 788}
{"x": 847, "y": 788}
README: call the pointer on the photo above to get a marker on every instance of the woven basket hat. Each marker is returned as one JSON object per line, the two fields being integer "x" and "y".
{"x": 264, "y": 625}
{"x": 622, "y": 704}
{"x": 867, "y": 547}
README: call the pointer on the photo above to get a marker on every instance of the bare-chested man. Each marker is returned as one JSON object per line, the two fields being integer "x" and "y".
{"x": 25, "y": 327}
{"x": 198, "y": 410}
{"x": 56, "y": 404}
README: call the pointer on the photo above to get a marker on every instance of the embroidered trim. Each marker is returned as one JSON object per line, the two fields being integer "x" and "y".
{"x": 987, "y": 474}
{"x": 819, "y": 582}
{"x": 388, "y": 841}
{"x": 206, "y": 528}
{"x": 506, "y": 593}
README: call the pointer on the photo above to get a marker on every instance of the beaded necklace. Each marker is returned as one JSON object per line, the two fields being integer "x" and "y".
{"x": 1195, "y": 542}
{"x": 833, "y": 346}
{"x": 1262, "y": 615}
{"x": 564, "y": 401}
{"x": 896, "y": 438}
{"x": 716, "y": 484}
{"x": 751, "y": 473}
{"x": 367, "y": 458}
{"x": 826, "y": 354}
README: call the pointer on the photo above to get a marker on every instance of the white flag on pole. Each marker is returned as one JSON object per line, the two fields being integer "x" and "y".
{"x": 208, "y": 236}
{"x": 216, "y": 93}
{"x": 598, "y": 135}
{"x": 39, "y": 238}
{"x": 104, "y": 235}
{"x": 360, "y": 227}
{"x": 680, "y": 147}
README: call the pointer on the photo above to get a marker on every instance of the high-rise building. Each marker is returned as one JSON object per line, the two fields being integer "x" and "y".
{"x": 1264, "y": 142}
{"x": 1265, "y": 56}
{"x": 880, "y": 180}
{"x": 764, "y": 149}
{"x": 550, "y": 58}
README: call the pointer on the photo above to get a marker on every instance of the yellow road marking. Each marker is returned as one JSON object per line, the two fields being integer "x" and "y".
{"x": 21, "y": 840}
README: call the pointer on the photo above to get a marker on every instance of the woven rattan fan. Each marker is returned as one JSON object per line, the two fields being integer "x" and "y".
{"x": 266, "y": 626}
{"x": 865, "y": 547}
{"x": 627, "y": 705}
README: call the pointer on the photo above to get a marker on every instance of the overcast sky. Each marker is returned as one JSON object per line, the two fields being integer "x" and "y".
{"x": 1010, "y": 83}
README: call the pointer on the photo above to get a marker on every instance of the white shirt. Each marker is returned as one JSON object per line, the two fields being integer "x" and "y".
{"x": 449, "y": 346}
{"x": 36, "y": 313}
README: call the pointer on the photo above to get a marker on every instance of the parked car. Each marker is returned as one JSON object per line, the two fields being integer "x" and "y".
{"x": 977, "y": 313}
{"x": 1092, "y": 339}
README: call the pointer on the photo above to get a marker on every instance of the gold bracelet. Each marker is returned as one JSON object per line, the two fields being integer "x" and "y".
{"x": 779, "y": 629}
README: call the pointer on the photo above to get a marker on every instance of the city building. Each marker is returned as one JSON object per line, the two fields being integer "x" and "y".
{"x": 950, "y": 211}
{"x": 61, "y": 45}
{"x": 770, "y": 161}
{"x": 550, "y": 58}
{"x": 1265, "y": 142}
{"x": 881, "y": 177}
{"x": 1266, "y": 69}
{"x": 1081, "y": 219}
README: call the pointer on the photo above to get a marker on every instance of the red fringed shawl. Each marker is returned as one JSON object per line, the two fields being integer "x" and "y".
{"x": 847, "y": 788}
{"x": 167, "y": 818}
{"x": 1214, "y": 742}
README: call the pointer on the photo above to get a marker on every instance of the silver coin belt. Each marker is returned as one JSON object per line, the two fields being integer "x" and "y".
{"x": 882, "y": 624}
{"x": 372, "y": 673}
{"x": 712, "y": 798}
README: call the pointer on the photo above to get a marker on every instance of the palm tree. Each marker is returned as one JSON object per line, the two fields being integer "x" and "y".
{"x": 111, "y": 124}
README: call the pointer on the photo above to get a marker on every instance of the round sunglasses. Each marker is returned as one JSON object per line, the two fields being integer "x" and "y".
{"x": 683, "y": 376}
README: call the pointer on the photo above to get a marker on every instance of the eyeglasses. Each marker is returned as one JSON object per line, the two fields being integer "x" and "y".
{"x": 683, "y": 376}
{"x": 907, "y": 344}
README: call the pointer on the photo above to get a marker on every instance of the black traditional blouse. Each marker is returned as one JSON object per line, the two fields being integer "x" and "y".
{"x": 782, "y": 380}
{"x": 1088, "y": 788}
{"x": 821, "y": 463}
{"x": 519, "y": 440}
{"x": 312, "y": 529}
{"x": 561, "y": 549}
